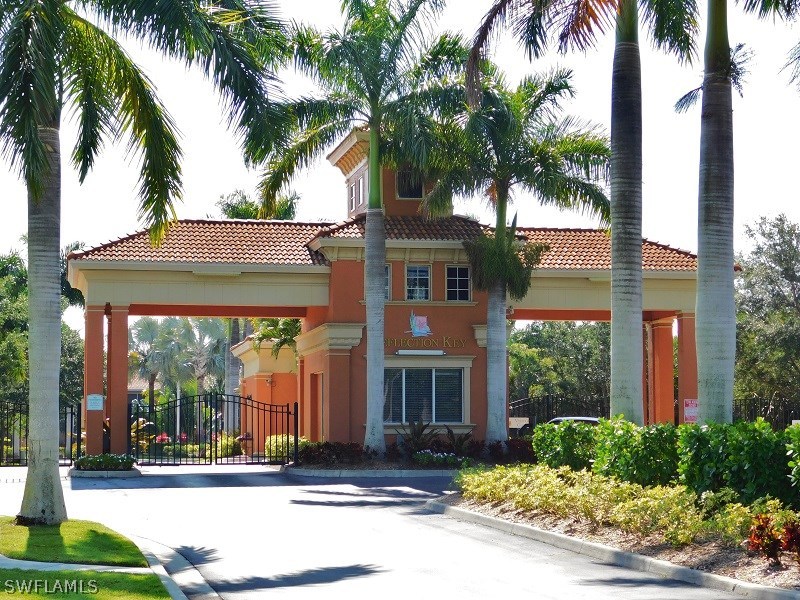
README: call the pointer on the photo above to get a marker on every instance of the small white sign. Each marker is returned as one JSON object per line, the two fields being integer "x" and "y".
{"x": 690, "y": 410}
{"x": 94, "y": 402}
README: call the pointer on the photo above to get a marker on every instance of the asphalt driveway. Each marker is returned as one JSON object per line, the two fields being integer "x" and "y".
{"x": 254, "y": 532}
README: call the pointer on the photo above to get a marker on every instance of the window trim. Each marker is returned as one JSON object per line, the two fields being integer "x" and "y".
{"x": 469, "y": 281}
{"x": 464, "y": 392}
{"x": 387, "y": 294}
{"x": 428, "y": 266}
{"x": 397, "y": 187}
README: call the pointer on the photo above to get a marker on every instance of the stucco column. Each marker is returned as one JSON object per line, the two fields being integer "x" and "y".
{"x": 337, "y": 423}
{"x": 687, "y": 360}
{"x": 93, "y": 377}
{"x": 663, "y": 386}
{"x": 647, "y": 374}
{"x": 302, "y": 405}
{"x": 117, "y": 402}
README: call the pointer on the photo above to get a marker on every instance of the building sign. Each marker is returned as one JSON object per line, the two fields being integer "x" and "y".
{"x": 690, "y": 410}
{"x": 419, "y": 326}
{"x": 94, "y": 402}
{"x": 421, "y": 337}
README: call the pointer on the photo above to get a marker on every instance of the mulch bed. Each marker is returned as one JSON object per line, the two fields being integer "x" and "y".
{"x": 710, "y": 556}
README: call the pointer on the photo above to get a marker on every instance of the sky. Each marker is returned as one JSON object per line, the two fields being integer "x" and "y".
{"x": 766, "y": 134}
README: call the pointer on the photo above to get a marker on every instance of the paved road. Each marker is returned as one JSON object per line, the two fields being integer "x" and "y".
{"x": 255, "y": 533}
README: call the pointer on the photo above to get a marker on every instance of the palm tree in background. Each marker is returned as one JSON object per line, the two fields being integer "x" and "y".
{"x": 378, "y": 73}
{"x": 281, "y": 332}
{"x": 53, "y": 57}
{"x": 203, "y": 342}
{"x": 238, "y": 205}
{"x": 673, "y": 26}
{"x": 146, "y": 358}
{"x": 515, "y": 140}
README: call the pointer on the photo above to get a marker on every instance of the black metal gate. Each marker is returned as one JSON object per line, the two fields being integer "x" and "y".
{"x": 212, "y": 429}
{"x": 14, "y": 433}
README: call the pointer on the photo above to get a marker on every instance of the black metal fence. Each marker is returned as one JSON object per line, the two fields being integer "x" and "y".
{"x": 212, "y": 429}
{"x": 14, "y": 433}
{"x": 780, "y": 412}
{"x": 541, "y": 410}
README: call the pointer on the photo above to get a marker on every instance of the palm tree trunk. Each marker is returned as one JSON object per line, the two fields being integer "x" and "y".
{"x": 715, "y": 318}
{"x": 496, "y": 371}
{"x": 43, "y": 499}
{"x": 626, "y": 219}
{"x": 232, "y": 367}
{"x": 496, "y": 343}
{"x": 151, "y": 390}
{"x": 374, "y": 259}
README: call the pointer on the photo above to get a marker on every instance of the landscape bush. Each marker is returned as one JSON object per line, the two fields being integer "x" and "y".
{"x": 748, "y": 457}
{"x": 643, "y": 455}
{"x": 673, "y": 510}
{"x": 105, "y": 462}
{"x": 279, "y": 448}
{"x": 330, "y": 453}
{"x": 228, "y": 445}
{"x": 567, "y": 443}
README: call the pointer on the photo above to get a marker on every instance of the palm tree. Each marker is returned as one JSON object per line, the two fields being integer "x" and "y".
{"x": 238, "y": 205}
{"x": 376, "y": 73}
{"x": 282, "y": 333}
{"x": 146, "y": 357}
{"x": 52, "y": 57}
{"x": 203, "y": 342}
{"x": 672, "y": 26}
{"x": 514, "y": 141}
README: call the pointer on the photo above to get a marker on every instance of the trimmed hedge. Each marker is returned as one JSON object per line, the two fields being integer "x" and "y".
{"x": 105, "y": 462}
{"x": 643, "y": 455}
{"x": 566, "y": 444}
{"x": 748, "y": 457}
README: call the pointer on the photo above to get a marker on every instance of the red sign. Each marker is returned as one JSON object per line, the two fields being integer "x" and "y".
{"x": 690, "y": 410}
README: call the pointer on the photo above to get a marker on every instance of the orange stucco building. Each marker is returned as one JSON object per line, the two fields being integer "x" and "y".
{"x": 435, "y": 322}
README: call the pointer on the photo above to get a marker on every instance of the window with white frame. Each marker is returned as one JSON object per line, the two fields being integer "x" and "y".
{"x": 431, "y": 395}
{"x": 457, "y": 283}
{"x": 387, "y": 282}
{"x": 352, "y": 196}
{"x": 361, "y": 194}
{"x": 418, "y": 282}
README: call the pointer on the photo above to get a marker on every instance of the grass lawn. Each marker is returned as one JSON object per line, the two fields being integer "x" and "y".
{"x": 71, "y": 542}
{"x": 17, "y": 583}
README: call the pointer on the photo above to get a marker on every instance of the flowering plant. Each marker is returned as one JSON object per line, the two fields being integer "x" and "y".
{"x": 162, "y": 438}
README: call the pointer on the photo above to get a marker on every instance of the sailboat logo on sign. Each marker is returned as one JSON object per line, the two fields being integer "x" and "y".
{"x": 419, "y": 326}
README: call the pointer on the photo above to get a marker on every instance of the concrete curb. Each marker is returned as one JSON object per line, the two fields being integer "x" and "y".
{"x": 375, "y": 473}
{"x": 179, "y": 576}
{"x": 13, "y": 563}
{"x": 618, "y": 557}
{"x": 79, "y": 474}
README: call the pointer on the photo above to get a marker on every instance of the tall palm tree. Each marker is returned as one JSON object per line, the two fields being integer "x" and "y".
{"x": 203, "y": 343}
{"x": 238, "y": 205}
{"x": 146, "y": 358}
{"x": 514, "y": 140}
{"x": 672, "y": 26}
{"x": 376, "y": 72}
{"x": 52, "y": 57}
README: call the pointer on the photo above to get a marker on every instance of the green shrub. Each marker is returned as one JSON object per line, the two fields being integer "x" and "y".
{"x": 228, "y": 445}
{"x": 567, "y": 443}
{"x": 756, "y": 464}
{"x": 702, "y": 451}
{"x": 792, "y": 436}
{"x": 427, "y": 458}
{"x": 105, "y": 462}
{"x": 281, "y": 447}
{"x": 330, "y": 453}
{"x": 643, "y": 455}
{"x": 750, "y": 458}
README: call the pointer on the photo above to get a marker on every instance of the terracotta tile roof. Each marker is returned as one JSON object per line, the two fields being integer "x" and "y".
{"x": 590, "y": 249}
{"x": 286, "y": 243}
{"x": 409, "y": 228}
{"x": 235, "y": 242}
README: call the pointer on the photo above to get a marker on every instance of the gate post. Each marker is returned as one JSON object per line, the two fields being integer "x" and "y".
{"x": 296, "y": 434}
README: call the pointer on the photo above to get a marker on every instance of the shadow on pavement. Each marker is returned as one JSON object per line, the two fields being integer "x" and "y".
{"x": 198, "y": 555}
{"x": 638, "y": 582}
{"x": 308, "y": 577}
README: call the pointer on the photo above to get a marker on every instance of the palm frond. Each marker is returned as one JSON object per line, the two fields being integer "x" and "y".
{"x": 688, "y": 100}
{"x": 137, "y": 112}
{"x": 673, "y": 25}
{"x": 29, "y": 80}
